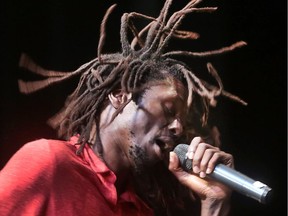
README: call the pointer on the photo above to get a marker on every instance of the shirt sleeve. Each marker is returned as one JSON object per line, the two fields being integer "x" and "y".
{"x": 25, "y": 180}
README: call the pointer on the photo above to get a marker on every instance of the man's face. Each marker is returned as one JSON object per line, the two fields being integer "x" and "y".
{"x": 155, "y": 123}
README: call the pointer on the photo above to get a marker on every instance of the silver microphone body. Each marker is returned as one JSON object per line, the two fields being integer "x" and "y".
{"x": 230, "y": 177}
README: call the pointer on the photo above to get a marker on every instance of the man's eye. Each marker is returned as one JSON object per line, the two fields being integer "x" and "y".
{"x": 170, "y": 112}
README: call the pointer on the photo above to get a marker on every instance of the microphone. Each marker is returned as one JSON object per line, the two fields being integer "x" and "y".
{"x": 230, "y": 177}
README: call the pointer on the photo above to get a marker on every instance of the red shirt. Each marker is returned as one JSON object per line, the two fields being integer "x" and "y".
{"x": 46, "y": 177}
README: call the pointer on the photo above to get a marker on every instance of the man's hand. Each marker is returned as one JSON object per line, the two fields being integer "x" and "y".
{"x": 215, "y": 196}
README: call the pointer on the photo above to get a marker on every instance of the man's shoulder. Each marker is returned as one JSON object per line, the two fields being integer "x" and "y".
{"x": 37, "y": 157}
{"x": 47, "y": 145}
{"x": 47, "y": 150}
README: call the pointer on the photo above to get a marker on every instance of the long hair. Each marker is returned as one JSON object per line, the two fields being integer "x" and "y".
{"x": 141, "y": 61}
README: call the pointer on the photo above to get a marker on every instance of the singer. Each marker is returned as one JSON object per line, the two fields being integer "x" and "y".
{"x": 118, "y": 130}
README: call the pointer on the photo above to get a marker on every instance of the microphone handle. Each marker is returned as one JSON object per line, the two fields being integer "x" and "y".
{"x": 230, "y": 177}
{"x": 241, "y": 183}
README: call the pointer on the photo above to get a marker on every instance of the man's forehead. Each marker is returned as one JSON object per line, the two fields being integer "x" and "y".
{"x": 169, "y": 87}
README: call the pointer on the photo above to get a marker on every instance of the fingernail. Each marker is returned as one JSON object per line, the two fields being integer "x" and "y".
{"x": 171, "y": 158}
{"x": 196, "y": 169}
{"x": 190, "y": 155}
{"x": 208, "y": 170}
{"x": 202, "y": 174}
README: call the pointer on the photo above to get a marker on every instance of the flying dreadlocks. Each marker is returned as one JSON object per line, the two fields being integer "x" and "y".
{"x": 134, "y": 69}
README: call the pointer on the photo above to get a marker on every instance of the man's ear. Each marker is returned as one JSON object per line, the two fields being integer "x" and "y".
{"x": 118, "y": 98}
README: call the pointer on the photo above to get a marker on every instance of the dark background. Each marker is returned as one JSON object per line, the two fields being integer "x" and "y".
{"x": 62, "y": 35}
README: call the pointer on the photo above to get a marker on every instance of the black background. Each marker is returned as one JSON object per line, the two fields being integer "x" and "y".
{"x": 62, "y": 35}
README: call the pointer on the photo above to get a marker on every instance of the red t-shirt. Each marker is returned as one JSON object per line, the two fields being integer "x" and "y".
{"x": 46, "y": 177}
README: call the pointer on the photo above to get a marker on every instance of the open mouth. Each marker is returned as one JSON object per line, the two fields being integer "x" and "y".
{"x": 165, "y": 146}
{"x": 161, "y": 144}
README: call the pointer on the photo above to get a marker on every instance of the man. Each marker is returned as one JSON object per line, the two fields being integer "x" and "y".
{"x": 122, "y": 122}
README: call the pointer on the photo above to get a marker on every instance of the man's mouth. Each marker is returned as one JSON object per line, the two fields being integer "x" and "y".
{"x": 165, "y": 144}
{"x": 163, "y": 147}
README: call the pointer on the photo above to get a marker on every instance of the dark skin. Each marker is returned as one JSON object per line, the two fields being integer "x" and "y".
{"x": 145, "y": 133}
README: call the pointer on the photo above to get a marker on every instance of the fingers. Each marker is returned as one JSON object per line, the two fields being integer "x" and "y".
{"x": 173, "y": 162}
{"x": 175, "y": 168}
{"x": 205, "y": 157}
{"x": 203, "y": 187}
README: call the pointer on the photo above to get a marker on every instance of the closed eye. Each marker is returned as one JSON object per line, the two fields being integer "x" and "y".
{"x": 169, "y": 112}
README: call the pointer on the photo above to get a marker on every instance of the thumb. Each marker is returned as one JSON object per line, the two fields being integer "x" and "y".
{"x": 173, "y": 162}
{"x": 195, "y": 183}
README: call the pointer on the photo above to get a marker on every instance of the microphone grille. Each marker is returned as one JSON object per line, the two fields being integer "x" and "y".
{"x": 181, "y": 150}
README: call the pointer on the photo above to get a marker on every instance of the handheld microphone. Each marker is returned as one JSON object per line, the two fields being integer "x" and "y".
{"x": 230, "y": 177}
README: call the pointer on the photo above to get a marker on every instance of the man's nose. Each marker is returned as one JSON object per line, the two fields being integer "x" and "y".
{"x": 176, "y": 127}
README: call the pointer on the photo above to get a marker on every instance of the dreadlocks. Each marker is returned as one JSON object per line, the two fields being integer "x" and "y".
{"x": 131, "y": 69}
{"x": 142, "y": 60}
